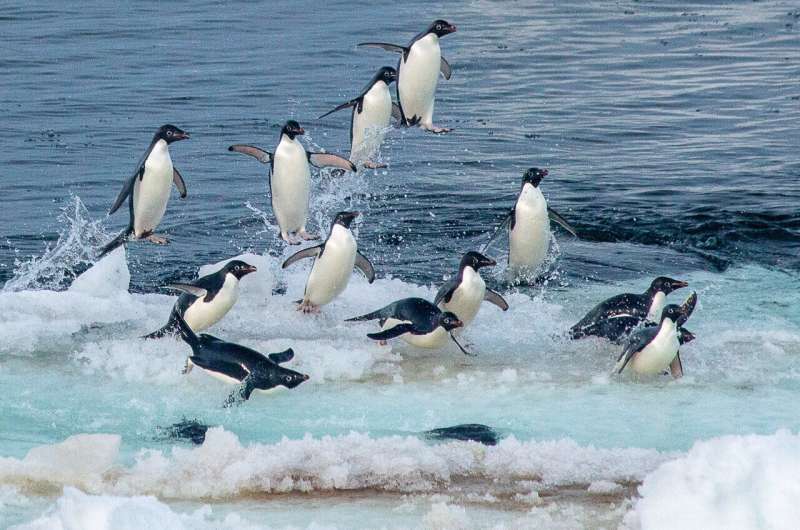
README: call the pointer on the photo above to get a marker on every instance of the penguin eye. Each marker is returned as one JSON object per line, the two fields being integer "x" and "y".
{"x": 169, "y": 133}
{"x": 439, "y": 27}
{"x": 287, "y": 378}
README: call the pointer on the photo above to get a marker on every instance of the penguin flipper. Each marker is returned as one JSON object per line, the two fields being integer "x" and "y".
{"x": 384, "y": 46}
{"x": 445, "y": 292}
{"x": 460, "y": 347}
{"x": 127, "y": 189}
{"x": 179, "y": 183}
{"x": 351, "y": 103}
{"x": 188, "y": 288}
{"x": 310, "y": 252}
{"x": 494, "y": 298}
{"x": 265, "y": 157}
{"x": 281, "y": 357}
{"x": 397, "y": 112}
{"x": 509, "y": 218}
{"x": 241, "y": 394}
{"x": 363, "y": 264}
{"x": 445, "y": 68}
{"x": 635, "y": 343}
{"x": 557, "y": 218}
{"x": 675, "y": 367}
{"x": 330, "y": 160}
{"x": 391, "y": 333}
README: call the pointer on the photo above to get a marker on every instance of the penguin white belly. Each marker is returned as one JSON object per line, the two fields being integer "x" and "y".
{"x": 418, "y": 77}
{"x": 434, "y": 340}
{"x": 530, "y": 238}
{"x": 331, "y": 271}
{"x": 290, "y": 183}
{"x": 201, "y": 315}
{"x": 371, "y": 124}
{"x": 467, "y": 298}
{"x": 657, "y": 356}
{"x": 216, "y": 375}
{"x": 657, "y": 307}
{"x": 151, "y": 192}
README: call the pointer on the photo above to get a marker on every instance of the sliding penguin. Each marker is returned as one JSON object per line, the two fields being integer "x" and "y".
{"x": 616, "y": 317}
{"x": 463, "y": 293}
{"x": 651, "y": 350}
{"x": 290, "y": 179}
{"x": 418, "y": 74}
{"x": 206, "y": 300}
{"x": 233, "y": 363}
{"x": 369, "y": 121}
{"x": 147, "y": 190}
{"x": 416, "y": 321}
{"x": 333, "y": 264}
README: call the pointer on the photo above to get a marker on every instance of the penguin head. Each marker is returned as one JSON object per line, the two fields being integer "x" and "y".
{"x": 387, "y": 74}
{"x": 239, "y": 268}
{"x": 441, "y": 28}
{"x": 449, "y": 321}
{"x": 666, "y": 285}
{"x": 672, "y": 312}
{"x": 292, "y": 129}
{"x": 534, "y": 176}
{"x": 170, "y": 133}
{"x": 476, "y": 260}
{"x": 290, "y": 378}
{"x": 345, "y": 218}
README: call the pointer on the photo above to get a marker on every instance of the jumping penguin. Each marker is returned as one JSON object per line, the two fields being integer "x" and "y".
{"x": 148, "y": 190}
{"x": 290, "y": 179}
{"x": 418, "y": 74}
{"x": 371, "y": 116}
{"x": 333, "y": 264}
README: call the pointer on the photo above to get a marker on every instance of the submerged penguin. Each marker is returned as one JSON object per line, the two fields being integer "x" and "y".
{"x": 290, "y": 179}
{"x": 233, "y": 363}
{"x": 463, "y": 293}
{"x": 418, "y": 74}
{"x": 333, "y": 264}
{"x": 369, "y": 121}
{"x": 529, "y": 227}
{"x": 147, "y": 190}
{"x": 616, "y": 317}
{"x": 206, "y": 300}
{"x": 416, "y": 321}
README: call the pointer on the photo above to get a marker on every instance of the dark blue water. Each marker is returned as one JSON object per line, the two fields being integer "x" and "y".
{"x": 663, "y": 126}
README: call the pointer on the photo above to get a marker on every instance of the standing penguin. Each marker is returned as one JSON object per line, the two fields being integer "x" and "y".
{"x": 418, "y": 74}
{"x": 372, "y": 112}
{"x": 206, "y": 300}
{"x": 463, "y": 293}
{"x": 529, "y": 226}
{"x": 290, "y": 179}
{"x": 148, "y": 189}
{"x": 333, "y": 263}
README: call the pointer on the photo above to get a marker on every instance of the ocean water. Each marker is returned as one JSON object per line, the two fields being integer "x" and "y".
{"x": 670, "y": 134}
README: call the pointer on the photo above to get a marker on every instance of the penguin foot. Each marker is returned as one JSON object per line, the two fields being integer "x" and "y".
{"x": 383, "y": 342}
{"x": 437, "y": 130}
{"x": 307, "y": 307}
{"x": 187, "y": 367}
{"x": 289, "y": 239}
{"x": 158, "y": 240}
{"x": 374, "y": 165}
{"x": 308, "y": 237}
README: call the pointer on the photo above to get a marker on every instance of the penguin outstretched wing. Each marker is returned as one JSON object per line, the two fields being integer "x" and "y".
{"x": 127, "y": 188}
{"x": 281, "y": 357}
{"x": 330, "y": 160}
{"x": 385, "y": 46}
{"x": 460, "y": 347}
{"x": 557, "y": 218}
{"x": 508, "y": 220}
{"x": 364, "y": 265}
{"x": 494, "y": 298}
{"x": 310, "y": 252}
{"x": 635, "y": 343}
{"x": 265, "y": 157}
{"x": 357, "y": 102}
{"x": 676, "y": 367}
{"x": 445, "y": 68}
{"x": 179, "y": 182}
{"x": 188, "y": 288}
{"x": 241, "y": 394}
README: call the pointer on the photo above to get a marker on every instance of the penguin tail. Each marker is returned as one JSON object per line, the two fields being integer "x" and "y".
{"x": 116, "y": 242}
{"x": 187, "y": 334}
{"x": 170, "y": 328}
{"x": 368, "y": 316}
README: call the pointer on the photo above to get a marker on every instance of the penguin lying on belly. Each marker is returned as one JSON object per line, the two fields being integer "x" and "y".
{"x": 233, "y": 363}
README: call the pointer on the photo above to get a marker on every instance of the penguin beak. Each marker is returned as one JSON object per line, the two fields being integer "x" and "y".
{"x": 181, "y": 136}
{"x": 306, "y": 377}
{"x": 489, "y": 262}
{"x": 249, "y": 269}
{"x": 300, "y": 131}
{"x": 451, "y": 28}
{"x": 680, "y": 284}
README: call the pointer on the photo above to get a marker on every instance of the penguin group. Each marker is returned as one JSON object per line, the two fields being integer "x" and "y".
{"x": 649, "y": 330}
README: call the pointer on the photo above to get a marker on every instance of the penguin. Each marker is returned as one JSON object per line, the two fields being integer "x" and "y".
{"x": 529, "y": 226}
{"x": 463, "y": 293}
{"x": 206, "y": 300}
{"x": 418, "y": 74}
{"x": 233, "y": 363}
{"x": 416, "y": 321}
{"x": 148, "y": 189}
{"x": 616, "y": 317}
{"x": 290, "y": 179}
{"x": 651, "y": 350}
{"x": 333, "y": 263}
{"x": 371, "y": 116}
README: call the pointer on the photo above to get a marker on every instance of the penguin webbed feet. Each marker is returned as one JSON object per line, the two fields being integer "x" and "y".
{"x": 437, "y": 130}
{"x": 187, "y": 367}
{"x": 369, "y": 164}
{"x": 307, "y": 307}
{"x": 308, "y": 237}
{"x": 157, "y": 239}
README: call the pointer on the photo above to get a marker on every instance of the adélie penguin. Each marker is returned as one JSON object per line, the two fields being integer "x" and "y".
{"x": 370, "y": 118}
{"x": 463, "y": 293}
{"x": 233, "y": 363}
{"x": 333, "y": 264}
{"x": 147, "y": 190}
{"x": 652, "y": 350}
{"x": 617, "y": 316}
{"x": 206, "y": 300}
{"x": 416, "y": 321}
{"x": 290, "y": 179}
{"x": 418, "y": 74}
{"x": 529, "y": 227}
